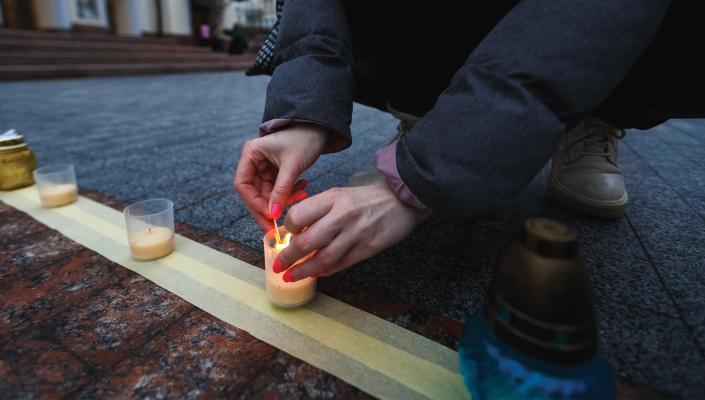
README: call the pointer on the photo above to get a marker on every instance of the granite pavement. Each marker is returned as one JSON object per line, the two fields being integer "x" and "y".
{"x": 179, "y": 136}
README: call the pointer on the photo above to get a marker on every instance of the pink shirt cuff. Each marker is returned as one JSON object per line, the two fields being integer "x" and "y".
{"x": 386, "y": 163}
{"x": 334, "y": 143}
{"x": 274, "y": 125}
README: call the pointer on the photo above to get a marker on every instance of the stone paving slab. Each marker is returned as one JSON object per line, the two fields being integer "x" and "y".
{"x": 652, "y": 341}
{"x": 179, "y": 136}
{"x": 53, "y": 289}
{"x": 131, "y": 338}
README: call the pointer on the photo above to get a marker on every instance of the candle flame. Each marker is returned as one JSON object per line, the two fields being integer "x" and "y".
{"x": 284, "y": 243}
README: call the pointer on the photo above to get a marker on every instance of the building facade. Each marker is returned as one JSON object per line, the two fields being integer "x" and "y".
{"x": 136, "y": 17}
{"x": 123, "y": 17}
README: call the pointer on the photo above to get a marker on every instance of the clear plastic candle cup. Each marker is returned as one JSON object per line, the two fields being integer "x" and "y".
{"x": 56, "y": 185}
{"x": 150, "y": 228}
{"x": 285, "y": 294}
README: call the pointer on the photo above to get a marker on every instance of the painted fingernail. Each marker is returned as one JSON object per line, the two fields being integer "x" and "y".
{"x": 288, "y": 276}
{"x": 277, "y": 267}
{"x": 300, "y": 196}
{"x": 276, "y": 210}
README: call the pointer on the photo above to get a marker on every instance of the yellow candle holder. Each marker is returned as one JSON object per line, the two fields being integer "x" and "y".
{"x": 17, "y": 161}
{"x": 150, "y": 228}
{"x": 56, "y": 185}
{"x": 280, "y": 293}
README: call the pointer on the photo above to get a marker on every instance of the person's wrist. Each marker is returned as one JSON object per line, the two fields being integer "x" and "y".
{"x": 318, "y": 134}
{"x": 418, "y": 215}
{"x": 299, "y": 146}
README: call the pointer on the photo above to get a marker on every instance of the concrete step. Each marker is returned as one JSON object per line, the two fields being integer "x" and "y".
{"x": 34, "y": 57}
{"x": 6, "y": 33}
{"x": 82, "y": 46}
{"x": 18, "y": 72}
{"x": 41, "y": 55}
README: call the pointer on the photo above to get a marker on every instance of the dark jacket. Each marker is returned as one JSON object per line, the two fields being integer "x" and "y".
{"x": 495, "y": 104}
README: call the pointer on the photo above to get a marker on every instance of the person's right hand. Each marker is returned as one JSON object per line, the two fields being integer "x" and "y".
{"x": 268, "y": 168}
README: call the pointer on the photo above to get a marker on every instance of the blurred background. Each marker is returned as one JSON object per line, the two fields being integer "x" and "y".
{"x": 72, "y": 38}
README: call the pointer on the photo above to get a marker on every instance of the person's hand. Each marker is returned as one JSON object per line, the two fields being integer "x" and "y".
{"x": 268, "y": 168}
{"x": 344, "y": 226}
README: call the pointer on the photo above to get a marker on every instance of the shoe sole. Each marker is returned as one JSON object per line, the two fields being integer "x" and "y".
{"x": 585, "y": 208}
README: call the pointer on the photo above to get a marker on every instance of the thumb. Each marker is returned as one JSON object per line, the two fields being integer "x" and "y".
{"x": 286, "y": 177}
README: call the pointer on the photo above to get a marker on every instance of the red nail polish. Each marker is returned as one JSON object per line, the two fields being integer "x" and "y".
{"x": 300, "y": 196}
{"x": 277, "y": 267}
{"x": 288, "y": 276}
{"x": 276, "y": 210}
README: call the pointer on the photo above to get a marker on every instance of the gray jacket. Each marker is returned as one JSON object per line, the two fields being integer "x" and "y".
{"x": 497, "y": 119}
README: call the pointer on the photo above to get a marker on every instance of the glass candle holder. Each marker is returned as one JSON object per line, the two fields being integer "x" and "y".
{"x": 150, "y": 228}
{"x": 285, "y": 294}
{"x": 56, "y": 185}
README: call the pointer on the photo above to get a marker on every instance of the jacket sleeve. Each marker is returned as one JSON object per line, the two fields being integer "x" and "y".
{"x": 542, "y": 69}
{"x": 313, "y": 79}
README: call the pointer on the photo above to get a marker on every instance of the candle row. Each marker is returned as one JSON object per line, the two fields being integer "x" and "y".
{"x": 150, "y": 223}
{"x": 150, "y": 233}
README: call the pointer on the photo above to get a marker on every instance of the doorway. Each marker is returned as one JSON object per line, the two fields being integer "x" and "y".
{"x": 200, "y": 14}
{"x": 17, "y": 14}
{"x": 111, "y": 9}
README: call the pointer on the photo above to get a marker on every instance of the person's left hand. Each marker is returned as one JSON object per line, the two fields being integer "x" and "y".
{"x": 344, "y": 226}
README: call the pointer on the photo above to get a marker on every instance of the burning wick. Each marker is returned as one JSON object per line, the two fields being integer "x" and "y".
{"x": 285, "y": 242}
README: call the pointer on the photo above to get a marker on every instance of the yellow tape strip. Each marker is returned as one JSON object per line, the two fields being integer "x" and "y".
{"x": 370, "y": 353}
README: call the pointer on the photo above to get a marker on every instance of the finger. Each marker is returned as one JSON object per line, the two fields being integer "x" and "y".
{"x": 297, "y": 197}
{"x": 308, "y": 211}
{"x": 317, "y": 236}
{"x": 244, "y": 184}
{"x": 265, "y": 181}
{"x": 263, "y": 221}
{"x": 300, "y": 185}
{"x": 254, "y": 202}
{"x": 266, "y": 191}
{"x": 298, "y": 194}
{"x": 283, "y": 186}
{"x": 325, "y": 259}
{"x": 358, "y": 253}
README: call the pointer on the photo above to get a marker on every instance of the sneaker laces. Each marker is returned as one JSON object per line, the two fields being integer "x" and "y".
{"x": 596, "y": 140}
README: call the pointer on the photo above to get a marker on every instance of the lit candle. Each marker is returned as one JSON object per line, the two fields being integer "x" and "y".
{"x": 285, "y": 294}
{"x": 152, "y": 243}
{"x": 55, "y": 195}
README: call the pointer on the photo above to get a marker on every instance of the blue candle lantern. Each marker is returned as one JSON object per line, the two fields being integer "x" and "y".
{"x": 536, "y": 337}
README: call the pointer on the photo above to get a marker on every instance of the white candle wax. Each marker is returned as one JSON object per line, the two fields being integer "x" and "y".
{"x": 58, "y": 194}
{"x": 285, "y": 294}
{"x": 152, "y": 243}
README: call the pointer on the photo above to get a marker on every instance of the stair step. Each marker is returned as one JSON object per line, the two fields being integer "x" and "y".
{"x": 74, "y": 46}
{"x": 14, "y": 72}
{"x": 120, "y": 57}
{"x": 7, "y": 33}
{"x": 38, "y": 55}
